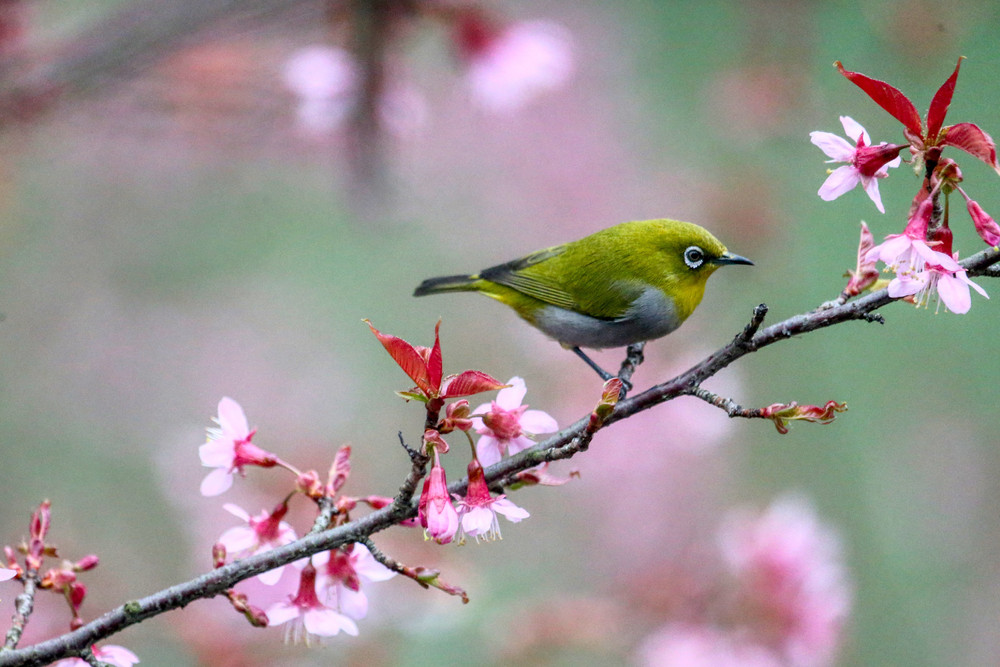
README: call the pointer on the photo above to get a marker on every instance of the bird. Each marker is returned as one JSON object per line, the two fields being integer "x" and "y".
{"x": 630, "y": 283}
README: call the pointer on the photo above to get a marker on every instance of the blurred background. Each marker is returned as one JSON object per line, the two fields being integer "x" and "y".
{"x": 191, "y": 207}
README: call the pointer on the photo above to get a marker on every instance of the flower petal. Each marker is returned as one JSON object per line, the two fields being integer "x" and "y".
{"x": 218, "y": 453}
{"x": 511, "y": 397}
{"x": 327, "y": 622}
{"x": 518, "y": 444}
{"x": 954, "y": 293}
{"x": 366, "y": 566}
{"x": 834, "y": 146}
{"x": 537, "y": 421}
{"x": 216, "y": 482}
{"x": 282, "y": 612}
{"x": 352, "y": 603}
{"x": 488, "y": 450}
{"x": 854, "y": 131}
{"x": 271, "y": 577}
{"x": 908, "y": 286}
{"x": 871, "y": 188}
{"x": 842, "y": 180}
{"x": 510, "y": 510}
{"x": 232, "y": 419}
{"x": 238, "y": 539}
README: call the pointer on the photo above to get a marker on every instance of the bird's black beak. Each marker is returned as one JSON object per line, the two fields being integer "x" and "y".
{"x": 730, "y": 258}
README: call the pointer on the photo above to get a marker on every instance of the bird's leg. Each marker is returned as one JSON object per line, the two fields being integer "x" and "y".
{"x": 626, "y": 385}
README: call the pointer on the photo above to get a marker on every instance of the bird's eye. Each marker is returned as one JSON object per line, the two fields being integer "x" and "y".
{"x": 694, "y": 257}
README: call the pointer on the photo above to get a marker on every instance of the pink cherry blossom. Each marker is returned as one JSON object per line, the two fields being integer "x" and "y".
{"x": 229, "y": 449}
{"x": 436, "y": 513}
{"x": 340, "y": 575}
{"x": 262, "y": 532}
{"x": 478, "y": 509}
{"x": 865, "y": 163}
{"x": 942, "y": 276}
{"x": 307, "y": 615}
{"x": 791, "y": 577}
{"x": 6, "y": 574}
{"x": 921, "y": 271}
{"x": 507, "y": 426}
{"x": 508, "y": 67}
{"x": 118, "y": 656}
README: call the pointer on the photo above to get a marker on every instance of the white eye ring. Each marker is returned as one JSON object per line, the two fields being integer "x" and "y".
{"x": 694, "y": 257}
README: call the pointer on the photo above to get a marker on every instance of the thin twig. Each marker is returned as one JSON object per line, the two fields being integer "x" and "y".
{"x": 23, "y": 606}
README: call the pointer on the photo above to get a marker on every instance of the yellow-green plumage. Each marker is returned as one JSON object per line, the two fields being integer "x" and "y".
{"x": 632, "y": 282}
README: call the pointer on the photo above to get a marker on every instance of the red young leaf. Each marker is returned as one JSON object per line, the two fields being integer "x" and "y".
{"x": 468, "y": 383}
{"x": 973, "y": 141}
{"x": 887, "y": 97}
{"x": 939, "y": 105}
{"x": 435, "y": 365}
{"x": 407, "y": 357}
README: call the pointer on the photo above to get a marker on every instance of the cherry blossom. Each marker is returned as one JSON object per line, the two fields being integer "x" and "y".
{"x": 507, "y": 426}
{"x": 262, "y": 532}
{"x": 340, "y": 574}
{"x": 229, "y": 449}
{"x": 478, "y": 509}
{"x": 307, "y": 615}
{"x": 865, "y": 163}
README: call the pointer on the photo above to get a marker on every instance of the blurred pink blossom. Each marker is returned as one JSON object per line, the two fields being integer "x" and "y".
{"x": 689, "y": 645}
{"x": 507, "y": 68}
{"x": 793, "y": 588}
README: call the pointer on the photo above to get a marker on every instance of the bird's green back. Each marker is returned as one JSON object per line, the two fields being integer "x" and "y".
{"x": 631, "y": 256}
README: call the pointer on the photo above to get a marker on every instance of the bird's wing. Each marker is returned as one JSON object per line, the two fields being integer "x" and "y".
{"x": 518, "y": 275}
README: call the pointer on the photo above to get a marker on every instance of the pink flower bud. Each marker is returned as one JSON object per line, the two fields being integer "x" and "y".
{"x": 218, "y": 554}
{"x": 86, "y": 563}
{"x": 437, "y": 515}
{"x": 985, "y": 225}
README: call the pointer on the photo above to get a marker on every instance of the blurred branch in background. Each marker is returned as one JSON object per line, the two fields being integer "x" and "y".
{"x": 347, "y": 81}
{"x": 114, "y": 49}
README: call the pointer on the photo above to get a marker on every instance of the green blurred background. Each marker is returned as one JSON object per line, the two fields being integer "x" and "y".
{"x": 171, "y": 238}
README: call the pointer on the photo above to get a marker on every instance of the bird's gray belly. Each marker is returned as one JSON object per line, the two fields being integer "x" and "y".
{"x": 651, "y": 316}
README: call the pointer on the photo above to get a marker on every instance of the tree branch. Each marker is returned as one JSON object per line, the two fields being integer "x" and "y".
{"x": 564, "y": 444}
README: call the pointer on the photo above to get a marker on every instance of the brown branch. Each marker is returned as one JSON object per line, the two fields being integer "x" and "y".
{"x": 564, "y": 444}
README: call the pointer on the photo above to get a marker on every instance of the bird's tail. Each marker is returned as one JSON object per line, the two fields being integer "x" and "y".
{"x": 461, "y": 283}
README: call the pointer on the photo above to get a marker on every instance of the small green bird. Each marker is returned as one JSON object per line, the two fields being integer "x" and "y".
{"x": 633, "y": 282}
